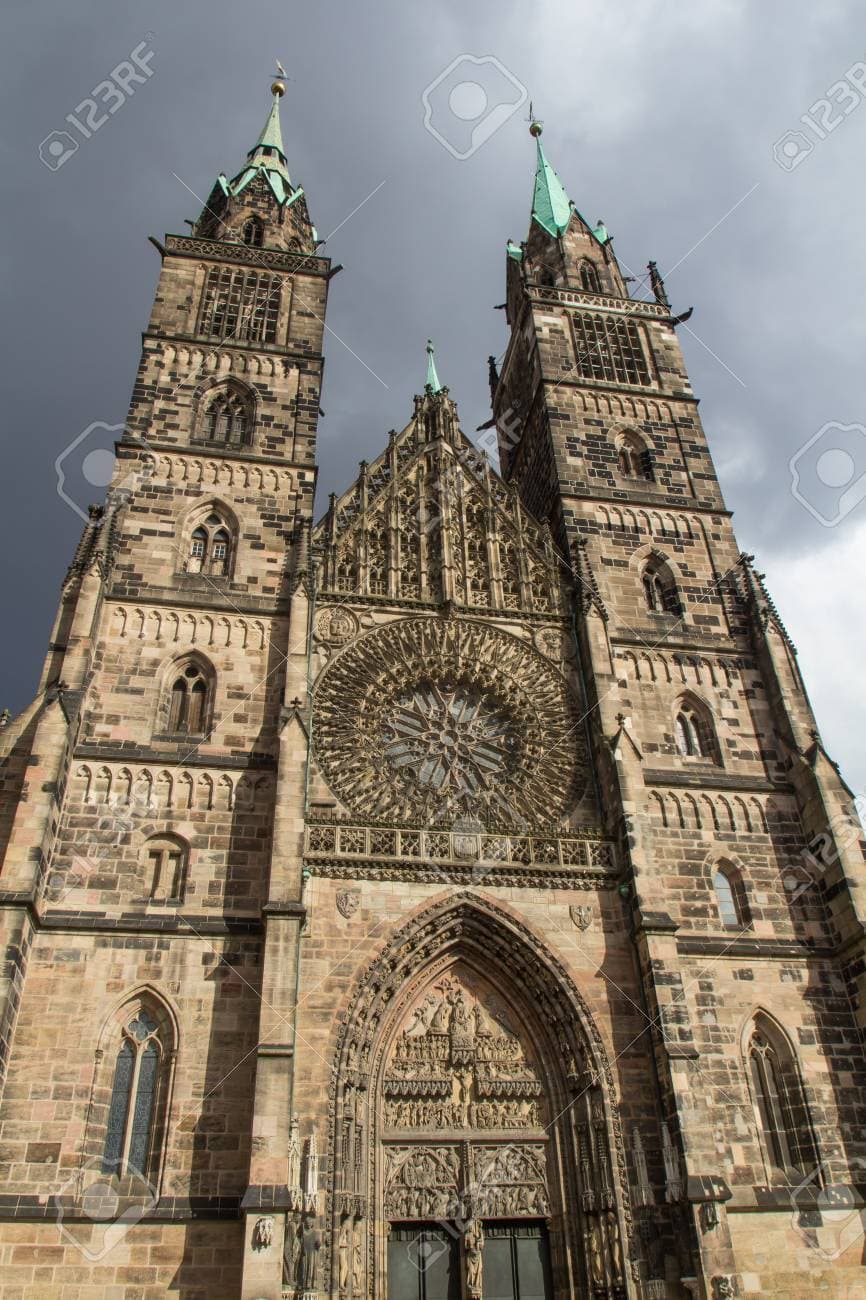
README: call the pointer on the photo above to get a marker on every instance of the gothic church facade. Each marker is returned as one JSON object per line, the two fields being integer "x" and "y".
{"x": 448, "y": 899}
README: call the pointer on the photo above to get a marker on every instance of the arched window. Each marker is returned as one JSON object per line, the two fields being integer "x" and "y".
{"x": 780, "y": 1105}
{"x": 589, "y": 279}
{"x": 210, "y": 547}
{"x": 253, "y": 232}
{"x": 659, "y": 588}
{"x": 137, "y": 1092}
{"x": 189, "y": 701}
{"x": 730, "y": 897}
{"x": 694, "y": 731}
{"x": 633, "y": 458}
{"x": 166, "y": 859}
{"x": 228, "y": 418}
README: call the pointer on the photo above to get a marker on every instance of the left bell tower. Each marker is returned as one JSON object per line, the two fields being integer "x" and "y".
{"x": 139, "y": 838}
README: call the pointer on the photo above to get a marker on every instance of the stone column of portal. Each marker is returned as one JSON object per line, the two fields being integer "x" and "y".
{"x": 266, "y": 1202}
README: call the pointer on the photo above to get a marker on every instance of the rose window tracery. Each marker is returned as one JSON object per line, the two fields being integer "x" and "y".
{"x": 434, "y": 719}
{"x": 450, "y": 737}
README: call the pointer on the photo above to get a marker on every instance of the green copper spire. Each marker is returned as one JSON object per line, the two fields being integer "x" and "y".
{"x": 551, "y": 206}
{"x": 272, "y": 135}
{"x": 267, "y": 157}
{"x": 432, "y": 383}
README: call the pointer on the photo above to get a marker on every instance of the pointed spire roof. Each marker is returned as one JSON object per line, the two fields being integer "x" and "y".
{"x": 267, "y": 157}
{"x": 551, "y": 206}
{"x": 432, "y": 384}
{"x": 272, "y": 134}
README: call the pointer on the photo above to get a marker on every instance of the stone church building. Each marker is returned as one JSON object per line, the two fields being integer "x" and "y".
{"x": 449, "y": 898}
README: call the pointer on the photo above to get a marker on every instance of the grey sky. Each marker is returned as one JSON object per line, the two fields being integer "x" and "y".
{"x": 659, "y": 117}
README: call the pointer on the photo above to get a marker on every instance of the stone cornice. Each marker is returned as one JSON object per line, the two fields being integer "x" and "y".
{"x": 233, "y": 602}
{"x": 710, "y": 778}
{"x": 739, "y": 946}
{"x": 132, "y": 753}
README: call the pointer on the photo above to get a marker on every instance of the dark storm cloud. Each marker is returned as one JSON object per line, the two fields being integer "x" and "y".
{"x": 659, "y": 117}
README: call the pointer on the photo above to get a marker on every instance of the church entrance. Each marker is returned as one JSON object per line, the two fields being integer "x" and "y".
{"x": 472, "y": 1143}
{"x": 423, "y": 1263}
{"x": 516, "y": 1262}
{"x": 426, "y": 1262}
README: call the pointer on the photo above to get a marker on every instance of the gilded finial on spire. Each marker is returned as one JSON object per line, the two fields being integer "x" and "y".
{"x": 278, "y": 87}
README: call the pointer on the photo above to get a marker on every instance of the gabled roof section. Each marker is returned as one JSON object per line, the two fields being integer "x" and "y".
{"x": 430, "y": 523}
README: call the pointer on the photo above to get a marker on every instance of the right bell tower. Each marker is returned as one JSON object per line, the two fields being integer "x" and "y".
{"x": 742, "y": 852}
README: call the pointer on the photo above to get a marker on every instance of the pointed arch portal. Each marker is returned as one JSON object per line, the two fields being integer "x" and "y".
{"x": 473, "y": 1127}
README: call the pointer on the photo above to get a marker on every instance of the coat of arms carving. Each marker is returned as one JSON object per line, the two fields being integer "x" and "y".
{"x": 348, "y": 901}
{"x": 581, "y": 915}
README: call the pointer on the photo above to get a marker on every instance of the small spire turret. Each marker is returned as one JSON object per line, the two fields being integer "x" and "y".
{"x": 432, "y": 384}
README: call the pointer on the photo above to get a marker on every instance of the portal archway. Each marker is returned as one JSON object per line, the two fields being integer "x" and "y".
{"x": 473, "y": 1115}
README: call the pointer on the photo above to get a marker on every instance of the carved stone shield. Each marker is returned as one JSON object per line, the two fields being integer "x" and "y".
{"x": 348, "y": 901}
{"x": 581, "y": 915}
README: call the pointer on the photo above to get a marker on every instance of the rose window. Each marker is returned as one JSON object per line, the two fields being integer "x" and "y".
{"x": 431, "y": 719}
{"x": 449, "y": 737}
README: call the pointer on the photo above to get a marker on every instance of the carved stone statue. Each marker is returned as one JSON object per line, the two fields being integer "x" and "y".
{"x": 358, "y": 1288}
{"x": 292, "y": 1248}
{"x": 310, "y": 1271}
{"x": 473, "y": 1243}
{"x": 294, "y": 1171}
{"x": 263, "y": 1232}
{"x": 343, "y": 1250}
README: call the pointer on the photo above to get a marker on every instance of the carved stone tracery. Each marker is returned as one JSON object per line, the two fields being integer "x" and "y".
{"x": 433, "y": 718}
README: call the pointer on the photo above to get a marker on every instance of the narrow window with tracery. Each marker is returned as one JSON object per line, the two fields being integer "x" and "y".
{"x": 227, "y": 418}
{"x": 783, "y": 1116}
{"x": 659, "y": 588}
{"x": 210, "y": 549}
{"x": 134, "y": 1096}
{"x": 730, "y": 898}
{"x": 189, "y": 702}
{"x": 589, "y": 280}
{"x": 253, "y": 232}
{"x": 695, "y": 734}
{"x": 633, "y": 458}
{"x": 167, "y": 865}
